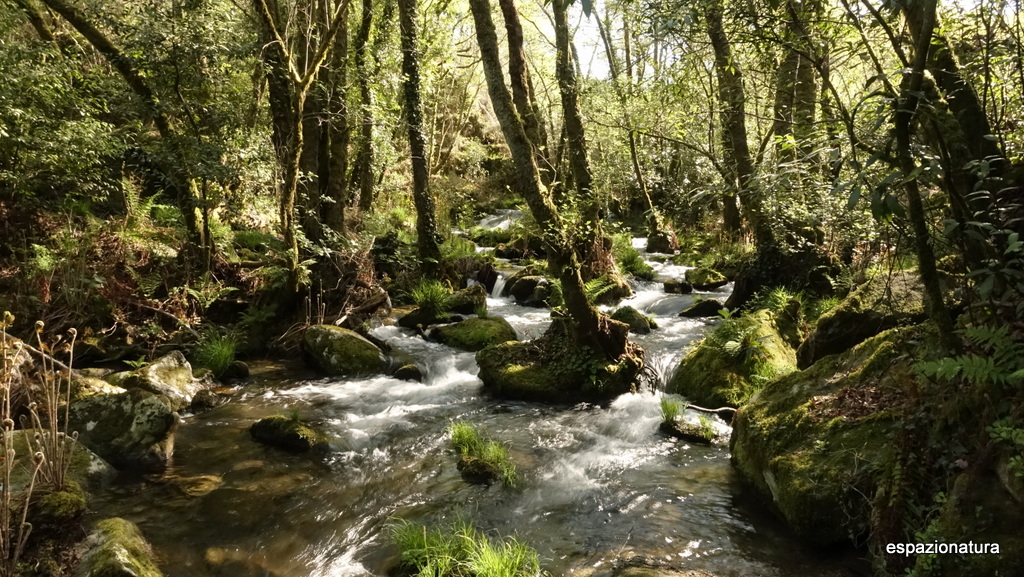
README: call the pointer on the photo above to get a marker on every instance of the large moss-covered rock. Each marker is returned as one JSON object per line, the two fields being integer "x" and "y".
{"x": 704, "y": 279}
{"x": 131, "y": 430}
{"x": 813, "y": 442}
{"x": 638, "y": 322}
{"x": 476, "y": 333}
{"x": 286, "y": 433}
{"x": 468, "y": 300}
{"x": 881, "y": 303}
{"x": 554, "y": 369}
{"x": 703, "y": 309}
{"x": 170, "y": 376}
{"x": 733, "y": 362}
{"x": 419, "y": 318}
{"x": 530, "y": 291}
{"x": 341, "y": 352}
{"x": 116, "y": 548}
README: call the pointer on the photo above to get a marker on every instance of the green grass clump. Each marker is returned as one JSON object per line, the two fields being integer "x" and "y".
{"x": 707, "y": 428}
{"x": 818, "y": 307}
{"x": 471, "y": 446}
{"x": 216, "y": 352}
{"x": 461, "y": 550}
{"x": 630, "y": 260}
{"x": 670, "y": 409}
{"x": 432, "y": 297}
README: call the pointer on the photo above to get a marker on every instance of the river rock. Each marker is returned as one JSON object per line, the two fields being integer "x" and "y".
{"x": 476, "y": 333}
{"x": 702, "y": 309}
{"x": 687, "y": 431}
{"x": 554, "y": 369}
{"x": 286, "y": 433}
{"x": 170, "y": 376}
{"x": 341, "y": 352}
{"x": 813, "y": 442}
{"x": 131, "y": 430}
{"x": 879, "y": 304}
{"x": 116, "y": 548}
{"x": 468, "y": 300}
{"x": 529, "y": 291}
{"x": 418, "y": 318}
{"x": 733, "y": 362}
{"x": 409, "y": 372}
{"x": 662, "y": 241}
{"x": 638, "y": 322}
{"x": 678, "y": 287}
{"x": 706, "y": 279}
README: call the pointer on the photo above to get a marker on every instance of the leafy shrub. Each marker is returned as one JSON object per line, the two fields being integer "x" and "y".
{"x": 216, "y": 352}
{"x": 432, "y": 297}
{"x": 630, "y": 260}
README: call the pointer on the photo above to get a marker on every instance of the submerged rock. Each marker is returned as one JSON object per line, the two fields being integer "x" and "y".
{"x": 881, "y": 303}
{"x": 477, "y": 471}
{"x": 170, "y": 376}
{"x": 341, "y": 352}
{"x": 638, "y": 322}
{"x": 285, "y": 433}
{"x": 131, "y": 430}
{"x": 733, "y": 362}
{"x": 476, "y": 333}
{"x": 116, "y": 548}
{"x": 678, "y": 287}
{"x": 703, "y": 309}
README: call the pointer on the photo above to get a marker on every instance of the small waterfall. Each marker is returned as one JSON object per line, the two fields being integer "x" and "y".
{"x": 499, "y": 286}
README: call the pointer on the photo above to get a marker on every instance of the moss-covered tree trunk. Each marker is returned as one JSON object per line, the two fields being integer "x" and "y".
{"x": 426, "y": 223}
{"x": 364, "y": 161}
{"x": 906, "y": 106}
{"x": 589, "y": 327}
{"x": 335, "y": 126}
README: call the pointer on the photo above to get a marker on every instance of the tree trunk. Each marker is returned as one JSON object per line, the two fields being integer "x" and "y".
{"x": 426, "y": 225}
{"x": 365, "y": 158}
{"x": 732, "y": 99}
{"x": 588, "y": 325}
{"x": 338, "y": 135}
{"x": 903, "y": 118}
{"x": 522, "y": 89}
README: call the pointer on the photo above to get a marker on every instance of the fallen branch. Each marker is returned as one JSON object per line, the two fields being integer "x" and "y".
{"x": 724, "y": 413}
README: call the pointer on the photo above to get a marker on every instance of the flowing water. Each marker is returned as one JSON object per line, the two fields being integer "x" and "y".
{"x": 597, "y": 484}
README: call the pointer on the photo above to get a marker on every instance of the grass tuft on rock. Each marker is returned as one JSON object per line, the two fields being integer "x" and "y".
{"x": 432, "y": 298}
{"x": 215, "y": 352}
{"x": 461, "y": 550}
{"x": 481, "y": 460}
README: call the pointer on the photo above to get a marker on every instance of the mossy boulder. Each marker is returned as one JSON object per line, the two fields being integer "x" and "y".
{"x": 286, "y": 433}
{"x": 812, "y": 443}
{"x": 678, "y": 287}
{"x": 116, "y": 548}
{"x": 688, "y": 431}
{"x": 338, "y": 351}
{"x": 52, "y": 511}
{"x": 703, "y": 309}
{"x": 419, "y": 318}
{"x": 530, "y": 291}
{"x": 662, "y": 241}
{"x": 87, "y": 469}
{"x": 468, "y": 300}
{"x": 84, "y": 386}
{"x": 409, "y": 372}
{"x": 130, "y": 430}
{"x": 638, "y": 322}
{"x": 732, "y": 363}
{"x": 883, "y": 302}
{"x": 706, "y": 279}
{"x": 169, "y": 376}
{"x": 478, "y": 471}
{"x": 554, "y": 369}
{"x": 476, "y": 333}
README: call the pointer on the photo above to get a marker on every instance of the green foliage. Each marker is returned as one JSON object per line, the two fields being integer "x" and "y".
{"x": 481, "y": 311}
{"x": 456, "y": 247}
{"x": 817, "y": 307}
{"x": 670, "y": 409}
{"x": 470, "y": 444}
{"x": 432, "y": 297}
{"x": 775, "y": 299}
{"x": 707, "y": 427}
{"x": 461, "y": 550}
{"x": 630, "y": 260}
{"x": 216, "y": 351}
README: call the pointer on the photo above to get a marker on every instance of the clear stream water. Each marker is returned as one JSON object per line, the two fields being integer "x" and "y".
{"x": 597, "y": 484}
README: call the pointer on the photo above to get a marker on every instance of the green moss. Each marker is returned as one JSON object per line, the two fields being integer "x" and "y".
{"x": 341, "y": 352}
{"x": 811, "y": 446}
{"x": 476, "y": 333}
{"x": 734, "y": 362}
{"x": 638, "y": 322}
{"x": 58, "y": 507}
{"x": 703, "y": 276}
{"x": 288, "y": 433}
{"x": 119, "y": 549}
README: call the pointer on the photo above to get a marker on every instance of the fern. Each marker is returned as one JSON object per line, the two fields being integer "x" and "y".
{"x": 594, "y": 288}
